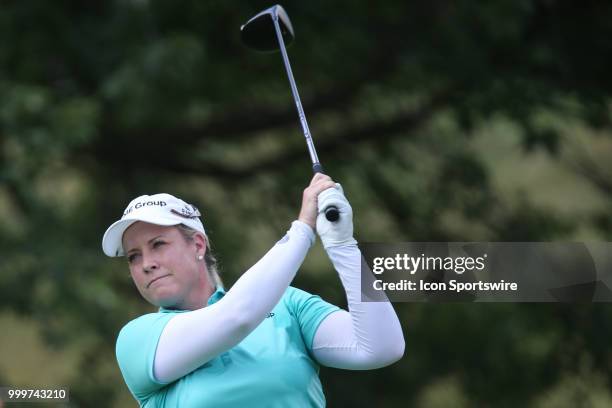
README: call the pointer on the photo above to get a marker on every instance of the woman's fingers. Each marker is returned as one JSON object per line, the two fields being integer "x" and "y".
{"x": 319, "y": 183}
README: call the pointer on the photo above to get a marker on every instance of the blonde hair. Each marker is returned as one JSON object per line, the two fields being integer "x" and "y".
{"x": 211, "y": 261}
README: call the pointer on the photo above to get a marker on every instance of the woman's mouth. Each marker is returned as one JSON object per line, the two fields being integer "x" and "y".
{"x": 156, "y": 279}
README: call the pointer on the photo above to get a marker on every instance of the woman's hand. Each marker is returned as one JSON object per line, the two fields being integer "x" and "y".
{"x": 308, "y": 213}
{"x": 339, "y": 232}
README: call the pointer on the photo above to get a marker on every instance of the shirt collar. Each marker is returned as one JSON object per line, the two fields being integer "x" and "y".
{"x": 214, "y": 298}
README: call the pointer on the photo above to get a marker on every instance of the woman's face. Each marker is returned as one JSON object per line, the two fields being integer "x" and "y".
{"x": 164, "y": 266}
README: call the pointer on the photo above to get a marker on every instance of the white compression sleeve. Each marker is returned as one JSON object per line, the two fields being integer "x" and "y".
{"x": 369, "y": 335}
{"x": 191, "y": 339}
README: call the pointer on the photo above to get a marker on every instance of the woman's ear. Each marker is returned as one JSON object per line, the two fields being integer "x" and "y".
{"x": 200, "y": 242}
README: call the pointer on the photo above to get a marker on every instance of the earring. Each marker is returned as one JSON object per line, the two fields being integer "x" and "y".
{"x": 200, "y": 257}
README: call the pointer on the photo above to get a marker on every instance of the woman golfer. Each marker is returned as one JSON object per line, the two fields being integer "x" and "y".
{"x": 260, "y": 343}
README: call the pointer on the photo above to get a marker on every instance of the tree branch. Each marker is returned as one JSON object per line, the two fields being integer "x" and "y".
{"x": 385, "y": 129}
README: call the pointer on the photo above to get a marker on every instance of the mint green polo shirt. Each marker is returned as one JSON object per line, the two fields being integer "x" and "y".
{"x": 272, "y": 367}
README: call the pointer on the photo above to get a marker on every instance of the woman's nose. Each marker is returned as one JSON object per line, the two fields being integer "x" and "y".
{"x": 149, "y": 264}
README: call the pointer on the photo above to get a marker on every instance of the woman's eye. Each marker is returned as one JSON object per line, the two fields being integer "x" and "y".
{"x": 131, "y": 258}
{"x": 158, "y": 244}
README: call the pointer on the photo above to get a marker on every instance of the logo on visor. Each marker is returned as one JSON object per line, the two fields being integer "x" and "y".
{"x": 187, "y": 211}
{"x": 144, "y": 204}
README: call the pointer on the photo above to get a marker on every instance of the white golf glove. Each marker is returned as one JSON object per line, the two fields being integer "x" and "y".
{"x": 339, "y": 232}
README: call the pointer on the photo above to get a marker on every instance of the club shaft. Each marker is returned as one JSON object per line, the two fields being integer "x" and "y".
{"x": 296, "y": 97}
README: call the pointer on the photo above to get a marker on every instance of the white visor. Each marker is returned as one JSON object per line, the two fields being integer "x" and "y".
{"x": 159, "y": 209}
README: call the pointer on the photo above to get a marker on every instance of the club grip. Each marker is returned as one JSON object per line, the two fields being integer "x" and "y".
{"x": 331, "y": 213}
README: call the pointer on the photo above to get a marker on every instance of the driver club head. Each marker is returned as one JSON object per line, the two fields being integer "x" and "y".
{"x": 259, "y": 34}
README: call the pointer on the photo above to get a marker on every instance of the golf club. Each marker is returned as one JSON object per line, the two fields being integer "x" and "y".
{"x": 268, "y": 31}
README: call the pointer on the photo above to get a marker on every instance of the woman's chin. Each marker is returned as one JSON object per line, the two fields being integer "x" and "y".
{"x": 164, "y": 297}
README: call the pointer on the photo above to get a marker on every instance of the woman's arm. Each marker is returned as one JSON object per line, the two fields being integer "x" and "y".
{"x": 369, "y": 335}
{"x": 191, "y": 339}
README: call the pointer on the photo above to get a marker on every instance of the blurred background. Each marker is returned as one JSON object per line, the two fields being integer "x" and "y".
{"x": 444, "y": 121}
